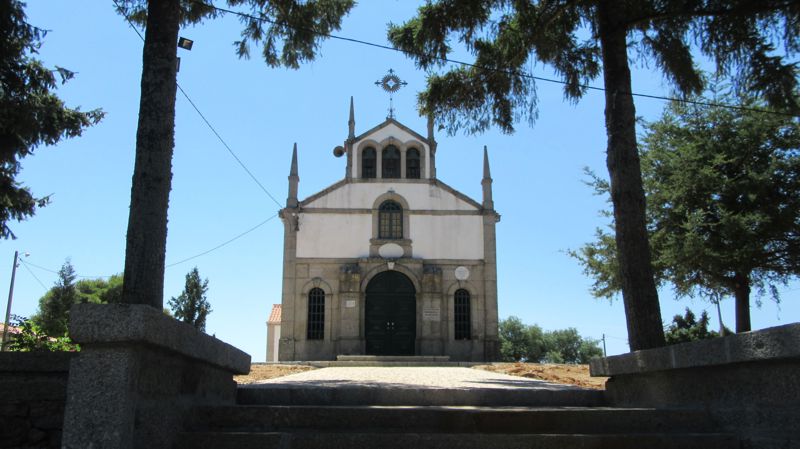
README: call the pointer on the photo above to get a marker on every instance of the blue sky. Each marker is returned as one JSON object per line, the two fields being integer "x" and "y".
{"x": 260, "y": 113}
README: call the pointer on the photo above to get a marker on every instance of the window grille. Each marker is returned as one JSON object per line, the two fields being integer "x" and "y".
{"x": 391, "y": 162}
{"x": 412, "y": 164}
{"x": 316, "y": 314}
{"x": 462, "y": 314}
{"x": 390, "y": 220}
{"x": 368, "y": 160}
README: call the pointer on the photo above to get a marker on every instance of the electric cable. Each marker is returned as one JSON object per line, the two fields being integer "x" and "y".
{"x": 508, "y": 72}
{"x": 222, "y": 244}
{"x": 205, "y": 120}
{"x": 24, "y": 264}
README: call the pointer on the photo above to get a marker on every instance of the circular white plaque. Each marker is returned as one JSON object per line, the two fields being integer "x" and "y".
{"x": 390, "y": 251}
{"x": 462, "y": 273}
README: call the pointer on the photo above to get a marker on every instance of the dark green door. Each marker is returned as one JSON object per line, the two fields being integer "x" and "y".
{"x": 391, "y": 315}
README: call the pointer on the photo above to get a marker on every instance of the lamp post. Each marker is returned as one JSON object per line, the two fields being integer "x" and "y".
{"x": 7, "y": 327}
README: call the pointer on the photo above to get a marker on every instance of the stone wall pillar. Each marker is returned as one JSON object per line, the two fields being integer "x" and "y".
{"x": 748, "y": 382}
{"x": 138, "y": 373}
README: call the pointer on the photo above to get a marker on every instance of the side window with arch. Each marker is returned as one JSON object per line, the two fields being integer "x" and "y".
{"x": 391, "y": 162}
{"x": 412, "y": 164}
{"x": 316, "y": 314}
{"x": 368, "y": 163}
{"x": 390, "y": 220}
{"x": 461, "y": 316}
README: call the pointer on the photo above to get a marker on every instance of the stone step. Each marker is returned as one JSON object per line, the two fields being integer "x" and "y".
{"x": 504, "y": 420}
{"x": 393, "y": 358}
{"x": 352, "y": 395}
{"x": 338, "y": 440}
{"x": 389, "y": 363}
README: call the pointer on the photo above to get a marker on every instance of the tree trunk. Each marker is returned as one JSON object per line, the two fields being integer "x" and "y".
{"x": 642, "y": 311}
{"x": 152, "y": 174}
{"x": 741, "y": 290}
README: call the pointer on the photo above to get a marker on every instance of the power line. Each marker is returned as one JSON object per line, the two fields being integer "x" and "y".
{"x": 205, "y": 120}
{"x": 227, "y": 147}
{"x": 508, "y": 72}
{"x": 24, "y": 264}
{"x": 41, "y": 268}
{"x": 231, "y": 240}
{"x": 56, "y": 272}
{"x": 222, "y": 244}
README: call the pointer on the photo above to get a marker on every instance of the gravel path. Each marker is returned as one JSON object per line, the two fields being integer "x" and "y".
{"x": 412, "y": 377}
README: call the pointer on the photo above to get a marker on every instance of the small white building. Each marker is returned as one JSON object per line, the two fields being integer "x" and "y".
{"x": 390, "y": 260}
{"x": 273, "y": 333}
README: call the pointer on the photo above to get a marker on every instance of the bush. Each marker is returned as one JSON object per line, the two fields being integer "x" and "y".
{"x": 31, "y": 338}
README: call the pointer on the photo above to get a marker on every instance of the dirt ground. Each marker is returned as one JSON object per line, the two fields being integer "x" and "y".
{"x": 564, "y": 374}
{"x": 262, "y": 372}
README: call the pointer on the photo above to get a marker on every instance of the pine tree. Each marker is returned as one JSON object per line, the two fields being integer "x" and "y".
{"x": 290, "y": 31}
{"x": 723, "y": 206}
{"x": 580, "y": 40}
{"x": 53, "y": 314}
{"x": 192, "y": 306}
{"x": 31, "y": 115}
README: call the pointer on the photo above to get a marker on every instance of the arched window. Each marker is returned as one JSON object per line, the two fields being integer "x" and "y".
{"x": 391, "y": 162}
{"x": 461, "y": 316}
{"x": 316, "y": 314}
{"x": 368, "y": 160}
{"x": 412, "y": 164}
{"x": 390, "y": 220}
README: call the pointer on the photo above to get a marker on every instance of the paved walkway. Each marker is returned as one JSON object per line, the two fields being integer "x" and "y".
{"x": 412, "y": 378}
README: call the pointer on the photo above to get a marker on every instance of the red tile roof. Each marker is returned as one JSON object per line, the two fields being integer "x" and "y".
{"x": 275, "y": 315}
{"x": 15, "y": 330}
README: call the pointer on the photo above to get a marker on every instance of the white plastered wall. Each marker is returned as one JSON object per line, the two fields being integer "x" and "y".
{"x": 447, "y": 236}
{"x": 435, "y": 234}
{"x": 420, "y": 196}
{"x": 326, "y": 235}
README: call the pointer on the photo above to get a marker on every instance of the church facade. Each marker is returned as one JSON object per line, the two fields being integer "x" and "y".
{"x": 389, "y": 260}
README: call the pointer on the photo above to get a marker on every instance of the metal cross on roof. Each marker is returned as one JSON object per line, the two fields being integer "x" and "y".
{"x": 391, "y": 83}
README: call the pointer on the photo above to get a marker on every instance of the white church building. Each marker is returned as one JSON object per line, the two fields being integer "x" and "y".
{"x": 389, "y": 260}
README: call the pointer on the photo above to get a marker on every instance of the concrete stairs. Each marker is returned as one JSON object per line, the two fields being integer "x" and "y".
{"x": 359, "y": 416}
{"x": 388, "y": 361}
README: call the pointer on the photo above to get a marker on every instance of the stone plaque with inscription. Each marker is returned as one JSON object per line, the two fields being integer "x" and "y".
{"x": 431, "y": 314}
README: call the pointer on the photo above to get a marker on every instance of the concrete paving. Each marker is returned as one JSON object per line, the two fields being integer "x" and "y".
{"x": 422, "y": 386}
{"x": 413, "y": 377}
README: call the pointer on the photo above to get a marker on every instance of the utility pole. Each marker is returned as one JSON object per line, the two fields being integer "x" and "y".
{"x": 604, "y": 345}
{"x": 7, "y": 328}
{"x": 719, "y": 314}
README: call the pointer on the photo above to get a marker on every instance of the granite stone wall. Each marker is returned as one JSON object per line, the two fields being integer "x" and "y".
{"x": 33, "y": 390}
{"x": 748, "y": 382}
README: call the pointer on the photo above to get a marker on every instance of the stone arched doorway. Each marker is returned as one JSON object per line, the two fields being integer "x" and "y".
{"x": 390, "y": 319}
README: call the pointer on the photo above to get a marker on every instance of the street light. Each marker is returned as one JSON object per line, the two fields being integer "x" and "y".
{"x": 7, "y": 325}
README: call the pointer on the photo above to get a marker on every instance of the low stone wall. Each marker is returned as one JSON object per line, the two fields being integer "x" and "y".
{"x": 138, "y": 373}
{"x": 749, "y": 382}
{"x": 33, "y": 390}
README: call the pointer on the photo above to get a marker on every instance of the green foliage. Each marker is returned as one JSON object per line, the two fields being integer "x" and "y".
{"x": 30, "y": 113}
{"x": 570, "y": 347}
{"x": 579, "y": 41}
{"x": 687, "y": 328}
{"x": 506, "y": 38}
{"x": 723, "y": 209}
{"x": 191, "y": 306}
{"x": 519, "y": 341}
{"x": 53, "y": 315}
{"x": 32, "y": 338}
{"x": 288, "y": 31}
{"x": 528, "y": 343}
{"x": 100, "y": 291}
